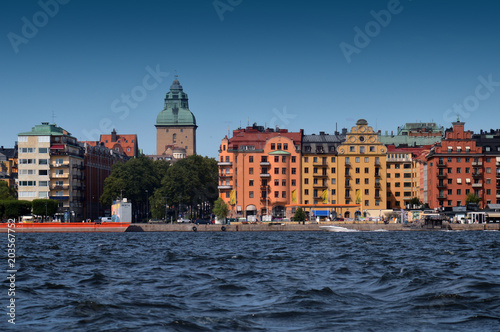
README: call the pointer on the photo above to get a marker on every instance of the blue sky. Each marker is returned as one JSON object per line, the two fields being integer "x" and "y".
{"x": 292, "y": 64}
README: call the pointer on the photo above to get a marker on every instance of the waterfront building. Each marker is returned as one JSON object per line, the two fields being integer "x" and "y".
{"x": 403, "y": 176}
{"x": 361, "y": 163}
{"x": 98, "y": 163}
{"x": 175, "y": 124}
{"x": 259, "y": 172}
{"x": 125, "y": 144}
{"x": 489, "y": 142}
{"x": 457, "y": 166}
{"x": 51, "y": 166}
{"x": 8, "y": 166}
{"x": 413, "y": 134}
{"x": 320, "y": 171}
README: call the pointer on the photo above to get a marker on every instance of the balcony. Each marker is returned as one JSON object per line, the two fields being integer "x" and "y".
{"x": 320, "y": 185}
{"x": 498, "y": 195}
{"x": 264, "y": 188}
{"x": 225, "y": 187}
{"x": 57, "y": 165}
{"x": 265, "y": 163}
{"x": 264, "y": 199}
{"x": 477, "y": 163}
{"x": 477, "y": 174}
{"x": 78, "y": 177}
{"x": 347, "y": 174}
{"x": 477, "y": 185}
{"x": 265, "y": 175}
{"x": 225, "y": 175}
{"x": 321, "y": 175}
{"x": 60, "y": 176}
{"x": 225, "y": 163}
{"x": 377, "y": 184}
{"x": 347, "y": 163}
{"x": 377, "y": 196}
{"x": 59, "y": 187}
{"x": 442, "y": 185}
{"x": 441, "y": 164}
{"x": 78, "y": 166}
{"x": 320, "y": 164}
{"x": 347, "y": 185}
{"x": 377, "y": 163}
{"x": 498, "y": 173}
{"x": 59, "y": 198}
{"x": 377, "y": 174}
{"x": 441, "y": 175}
{"x": 442, "y": 196}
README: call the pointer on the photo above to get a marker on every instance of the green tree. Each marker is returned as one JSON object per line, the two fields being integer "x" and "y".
{"x": 415, "y": 201}
{"x": 45, "y": 207}
{"x": 221, "y": 209}
{"x": 472, "y": 198}
{"x": 6, "y": 192}
{"x": 299, "y": 215}
{"x": 191, "y": 182}
{"x": 15, "y": 209}
{"x": 136, "y": 180}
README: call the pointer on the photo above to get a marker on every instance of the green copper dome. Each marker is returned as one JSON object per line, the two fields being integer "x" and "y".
{"x": 176, "y": 111}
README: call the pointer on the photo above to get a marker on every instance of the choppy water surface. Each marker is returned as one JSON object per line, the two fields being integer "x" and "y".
{"x": 282, "y": 281}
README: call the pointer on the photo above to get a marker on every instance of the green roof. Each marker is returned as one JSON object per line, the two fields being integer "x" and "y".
{"x": 279, "y": 152}
{"x": 176, "y": 111}
{"x": 45, "y": 129}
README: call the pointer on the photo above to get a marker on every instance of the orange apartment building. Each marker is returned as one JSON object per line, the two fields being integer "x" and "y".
{"x": 403, "y": 175}
{"x": 259, "y": 172}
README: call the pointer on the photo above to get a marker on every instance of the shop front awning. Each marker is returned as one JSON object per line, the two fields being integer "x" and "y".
{"x": 57, "y": 147}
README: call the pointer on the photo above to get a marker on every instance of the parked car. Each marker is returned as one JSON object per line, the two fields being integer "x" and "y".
{"x": 203, "y": 221}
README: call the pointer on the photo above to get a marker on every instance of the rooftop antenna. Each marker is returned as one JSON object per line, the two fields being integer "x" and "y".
{"x": 248, "y": 122}
{"x": 53, "y": 118}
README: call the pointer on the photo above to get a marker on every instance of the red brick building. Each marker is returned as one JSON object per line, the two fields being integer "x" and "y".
{"x": 456, "y": 167}
{"x": 126, "y": 144}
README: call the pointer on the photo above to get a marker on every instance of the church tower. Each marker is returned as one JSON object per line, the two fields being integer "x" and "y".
{"x": 176, "y": 125}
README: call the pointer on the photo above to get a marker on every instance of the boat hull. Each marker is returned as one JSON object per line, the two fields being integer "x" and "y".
{"x": 70, "y": 227}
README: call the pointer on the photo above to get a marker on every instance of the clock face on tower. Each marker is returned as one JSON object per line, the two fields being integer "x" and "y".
{"x": 361, "y": 138}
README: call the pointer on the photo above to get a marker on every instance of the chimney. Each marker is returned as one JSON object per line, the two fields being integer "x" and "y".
{"x": 113, "y": 135}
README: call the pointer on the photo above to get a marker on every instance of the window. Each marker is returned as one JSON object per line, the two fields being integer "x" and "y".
{"x": 467, "y": 169}
{"x": 276, "y": 183}
{"x": 44, "y": 139}
{"x": 367, "y": 159}
{"x": 306, "y": 159}
{"x": 294, "y": 170}
{"x": 459, "y": 191}
{"x": 276, "y": 159}
{"x": 283, "y": 194}
{"x": 450, "y": 159}
{"x": 357, "y": 159}
{"x": 397, "y": 184}
{"x": 294, "y": 183}
{"x": 450, "y": 149}
{"x": 372, "y": 149}
{"x": 27, "y": 183}
{"x": 283, "y": 183}
{"x": 459, "y": 170}
{"x": 333, "y": 159}
{"x": 174, "y": 138}
{"x": 450, "y": 181}
{"x": 459, "y": 159}
{"x": 367, "y": 202}
{"x": 367, "y": 191}
{"x": 43, "y": 183}
{"x": 488, "y": 170}
{"x": 397, "y": 175}
{"x": 488, "y": 159}
{"x": 315, "y": 170}
{"x": 333, "y": 192}
{"x": 333, "y": 170}
{"x": 276, "y": 194}
{"x": 333, "y": 181}
{"x": 250, "y": 170}
{"x": 450, "y": 170}
{"x": 276, "y": 170}
{"x": 352, "y": 149}
{"x": 306, "y": 170}
{"x": 367, "y": 170}
{"x": 43, "y": 161}
{"x": 294, "y": 159}
{"x": 278, "y": 146}
{"x": 306, "y": 181}
{"x": 273, "y": 146}
{"x": 283, "y": 159}
{"x": 42, "y": 150}
{"x": 250, "y": 194}
{"x": 250, "y": 159}
{"x": 43, "y": 172}
{"x": 361, "y": 149}
{"x": 358, "y": 181}
{"x": 367, "y": 181}
{"x": 250, "y": 183}
{"x": 306, "y": 192}
{"x": 357, "y": 170}
{"x": 285, "y": 146}
{"x": 283, "y": 170}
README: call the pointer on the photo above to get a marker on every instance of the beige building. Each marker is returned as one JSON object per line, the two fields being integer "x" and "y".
{"x": 51, "y": 167}
{"x": 176, "y": 125}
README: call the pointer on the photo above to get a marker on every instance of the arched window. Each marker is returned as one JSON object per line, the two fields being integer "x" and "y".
{"x": 174, "y": 137}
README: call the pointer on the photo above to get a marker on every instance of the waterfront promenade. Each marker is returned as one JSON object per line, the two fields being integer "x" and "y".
{"x": 293, "y": 226}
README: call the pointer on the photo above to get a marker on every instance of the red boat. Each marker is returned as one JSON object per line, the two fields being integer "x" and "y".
{"x": 63, "y": 227}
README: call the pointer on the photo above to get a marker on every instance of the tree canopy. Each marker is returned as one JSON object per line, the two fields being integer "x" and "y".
{"x": 6, "y": 192}
{"x": 221, "y": 209}
{"x": 472, "y": 198}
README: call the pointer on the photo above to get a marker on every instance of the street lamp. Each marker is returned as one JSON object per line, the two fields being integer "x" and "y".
{"x": 147, "y": 205}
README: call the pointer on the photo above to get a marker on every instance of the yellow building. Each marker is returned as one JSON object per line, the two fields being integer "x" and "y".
{"x": 403, "y": 176}
{"x": 361, "y": 177}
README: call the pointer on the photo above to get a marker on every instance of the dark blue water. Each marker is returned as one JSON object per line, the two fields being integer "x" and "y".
{"x": 278, "y": 281}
